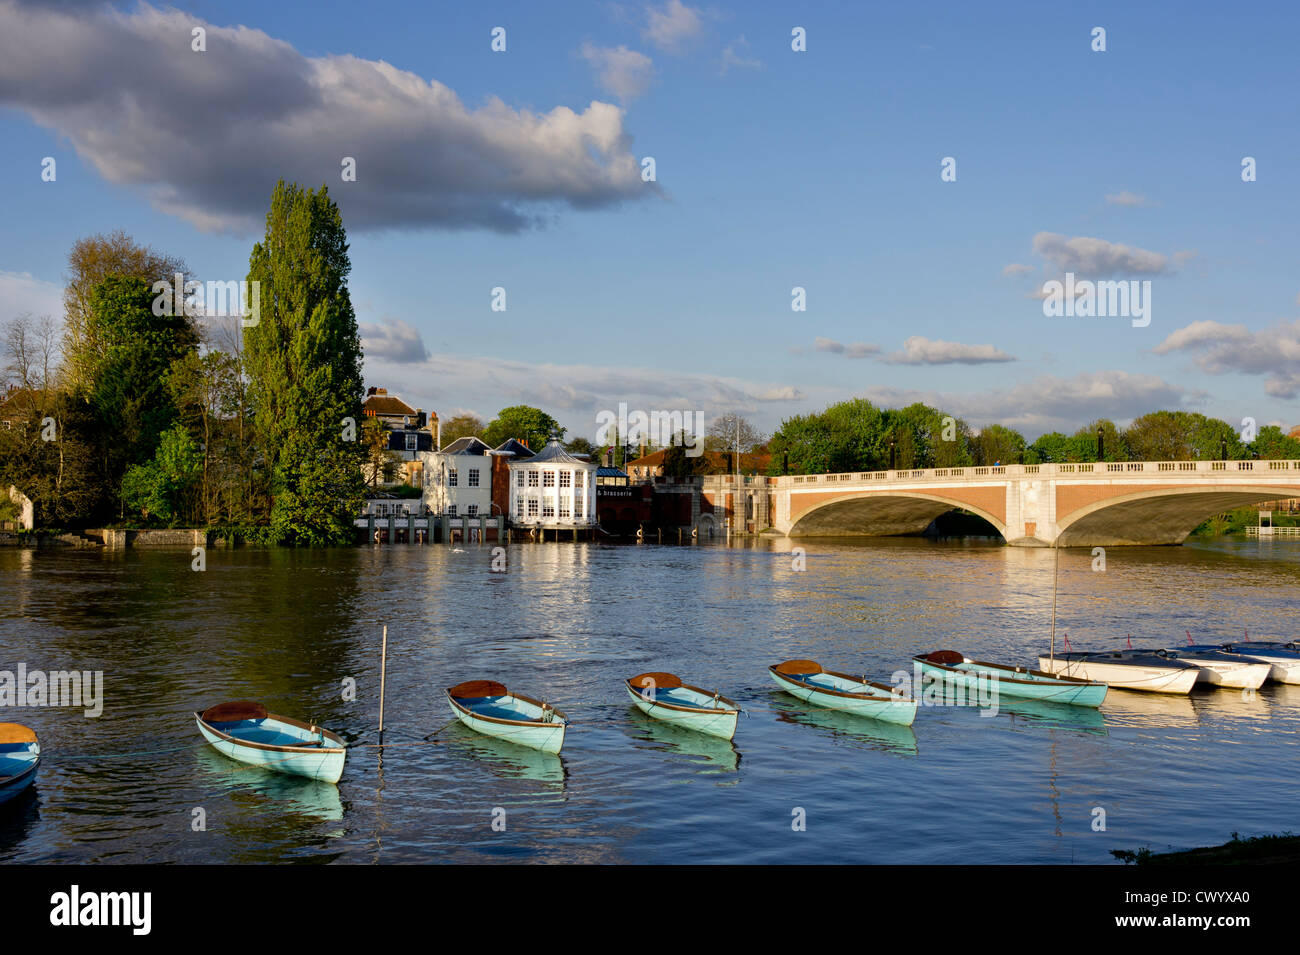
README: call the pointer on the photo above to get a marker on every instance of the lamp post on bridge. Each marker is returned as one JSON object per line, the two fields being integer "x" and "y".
{"x": 891, "y": 454}
{"x": 1101, "y": 444}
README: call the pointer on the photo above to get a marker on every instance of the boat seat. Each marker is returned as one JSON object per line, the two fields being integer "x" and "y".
{"x": 16, "y": 733}
{"x": 477, "y": 689}
{"x": 235, "y": 712}
{"x": 798, "y": 667}
{"x": 659, "y": 681}
{"x": 946, "y": 658}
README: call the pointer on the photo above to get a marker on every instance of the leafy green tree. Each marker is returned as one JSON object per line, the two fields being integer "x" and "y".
{"x": 524, "y": 423}
{"x": 163, "y": 488}
{"x": 1181, "y": 436}
{"x": 303, "y": 358}
{"x": 1274, "y": 445}
{"x": 996, "y": 443}
{"x": 461, "y": 426}
{"x": 581, "y": 445}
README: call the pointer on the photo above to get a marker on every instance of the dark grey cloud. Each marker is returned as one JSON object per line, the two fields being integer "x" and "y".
{"x": 392, "y": 339}
{"x": 207, "y": 134}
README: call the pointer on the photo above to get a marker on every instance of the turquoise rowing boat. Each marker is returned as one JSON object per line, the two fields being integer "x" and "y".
{"x": 807, "y": 681}
{"x": 20, "y": 756}
{"x": 957, "y": 669}
{"x": 663, "y": 696}
{"x": 246, "y": 732}
{"x": 487, "y": 707}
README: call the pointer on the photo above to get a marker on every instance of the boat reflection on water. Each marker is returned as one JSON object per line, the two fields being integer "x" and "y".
{"x": 19, "y": 816}
{"x": 1085, "y": 719}
{"x": 1270, "y": 702}
{"x": 715, "y": 755}
{"x": 858, "y": 731}
{"x": 506, "y": 760}
{"x": 1132, "y": 708}
{"x": 309, "y": 797}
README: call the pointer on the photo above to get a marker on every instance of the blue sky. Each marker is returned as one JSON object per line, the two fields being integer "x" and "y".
{"x": 775, "y": 169}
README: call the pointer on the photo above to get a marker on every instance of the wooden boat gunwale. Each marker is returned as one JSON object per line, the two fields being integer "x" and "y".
{"x": 305, "y": 749}
{"x": 562, "y": 721}
{"x": 733, "y": 708}
{"x": 867, "y": 697}
{"x": 1052, "y": 677}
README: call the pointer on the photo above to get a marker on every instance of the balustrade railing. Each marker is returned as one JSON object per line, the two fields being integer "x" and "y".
{"x": 986, "y": 472}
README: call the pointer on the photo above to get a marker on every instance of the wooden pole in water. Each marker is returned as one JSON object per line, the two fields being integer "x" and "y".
{"x": 383, "y": 672}
{"x": 1056, "y": 571}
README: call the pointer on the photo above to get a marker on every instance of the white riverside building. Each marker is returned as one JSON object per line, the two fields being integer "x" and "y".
{"x": 458, "y": 479}
{"x": 553, "y": 489}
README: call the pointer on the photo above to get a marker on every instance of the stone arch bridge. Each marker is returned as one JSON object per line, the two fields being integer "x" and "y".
{"x": 1034, "y": 505}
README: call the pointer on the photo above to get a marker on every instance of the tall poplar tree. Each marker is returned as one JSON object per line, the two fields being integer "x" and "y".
{"x": 304, "y": 367}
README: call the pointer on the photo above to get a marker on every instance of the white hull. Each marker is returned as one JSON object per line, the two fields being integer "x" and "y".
{"x": 1125, "y": 676}
{"x": 1246, "y": 675}
{"x": 546, "y": 737}
{"x": 1281, "y": 669}
{"x": 719, "y": 722}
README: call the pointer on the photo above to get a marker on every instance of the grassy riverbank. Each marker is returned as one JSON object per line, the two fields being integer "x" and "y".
{"x": 1257, "y": 850}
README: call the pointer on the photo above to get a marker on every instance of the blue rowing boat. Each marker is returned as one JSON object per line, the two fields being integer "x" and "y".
{"x": 20, "y": 756}
{"x": 246, "y": 732}
{"x": 1020, "y": 682}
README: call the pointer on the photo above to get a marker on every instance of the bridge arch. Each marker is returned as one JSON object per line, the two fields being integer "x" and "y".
{"x": 882, "y": 514}
{"x": 1156, "y": 516}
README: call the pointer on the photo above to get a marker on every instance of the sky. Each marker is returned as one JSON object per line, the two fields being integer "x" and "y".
{"x": 919, "y": 171}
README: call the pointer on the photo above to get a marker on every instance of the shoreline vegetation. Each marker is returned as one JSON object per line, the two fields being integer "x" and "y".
{"x": 1281, "y": 849}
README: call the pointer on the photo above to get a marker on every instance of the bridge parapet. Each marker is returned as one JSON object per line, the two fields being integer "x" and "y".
{"x": 983, "y": 473}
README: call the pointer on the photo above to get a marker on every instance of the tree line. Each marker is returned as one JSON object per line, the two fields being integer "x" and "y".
{"x": 856, "y": 435}
{"x": 138, "y": 414}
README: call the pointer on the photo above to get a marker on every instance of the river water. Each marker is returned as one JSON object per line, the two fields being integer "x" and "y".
{"x": 568, "y": 622}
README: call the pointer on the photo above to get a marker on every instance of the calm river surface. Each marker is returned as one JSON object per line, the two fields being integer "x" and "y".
{"x": 568, "y": 622}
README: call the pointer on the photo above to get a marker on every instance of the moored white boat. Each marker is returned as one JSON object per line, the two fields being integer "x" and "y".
{"x": 1013, "y": 681}
{"x": 1282, "y": 658}
{"x": 807, "y": 681}
{"x": 245, "y": 731}
{"x": 487, "y": 707}
{"x": 1140, "y": 670}
{"x": 1218, "y": 668}
{"x": 664, "y": 696}
{"x": 20, "y": 757}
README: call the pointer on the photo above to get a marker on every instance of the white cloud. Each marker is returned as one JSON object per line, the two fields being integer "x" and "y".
{"x": 574, "y": 393}
{"x": 206, "y": 135}
{"x": 918, "y": 350}
{"x": 1016, "y": 268}
{"x": 1097, "y": 258}
{"x": 1127, "y": 198}
{"x": 1051, "y": 403}
{"x": 393, "y": 339}
{"x": 623, "y": 72}
{"x": 21, "y": 293}
{"x": 734, "y": 58}
{"x": 851, "y": 350}
{"x": 670, "y": 26}
{"x": 1273, "y": 352}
